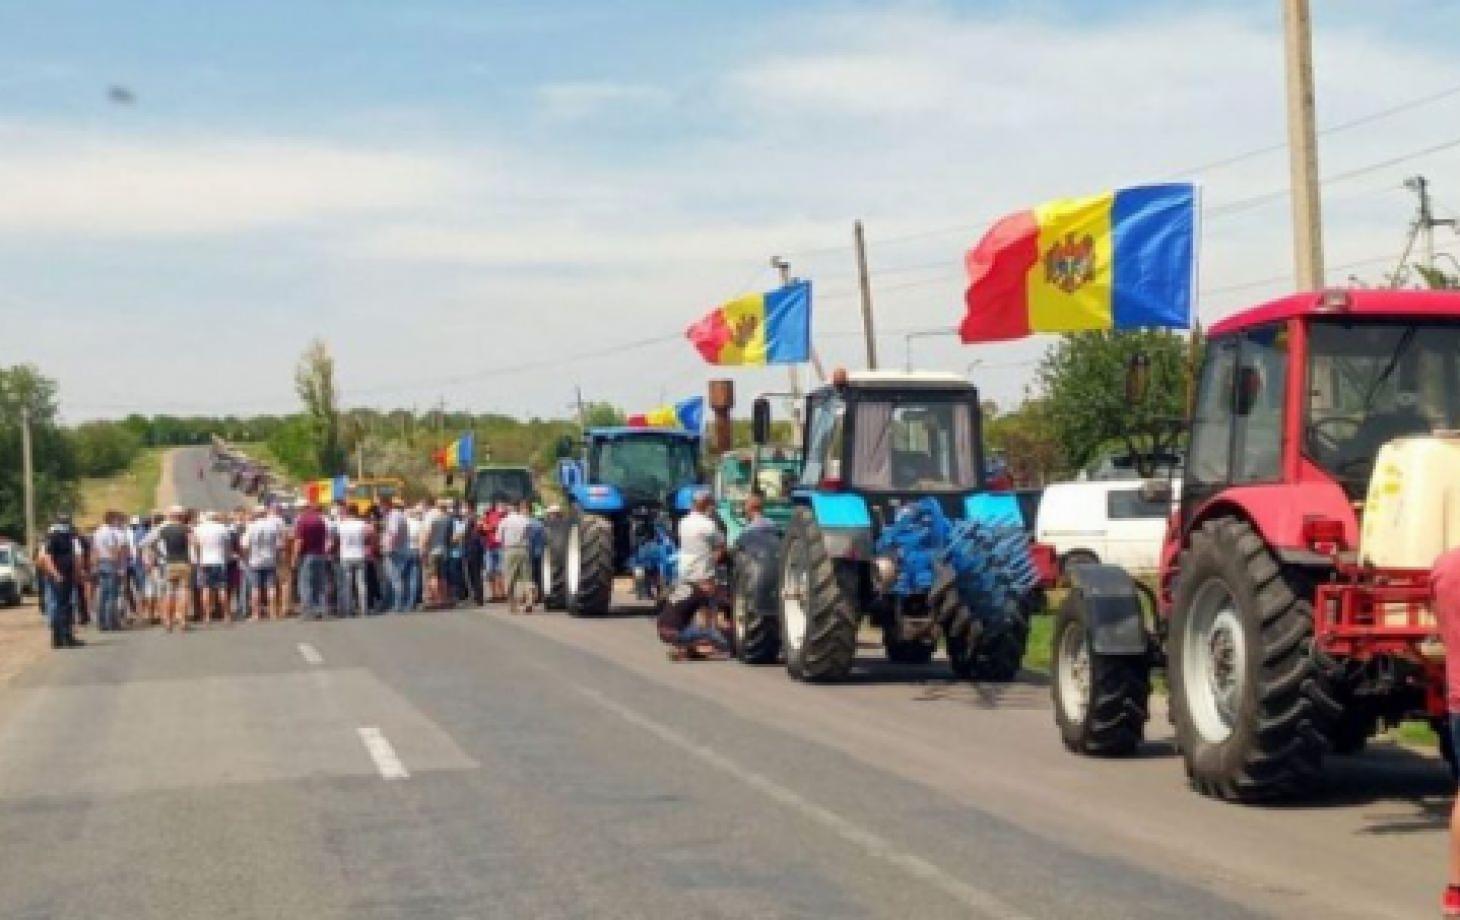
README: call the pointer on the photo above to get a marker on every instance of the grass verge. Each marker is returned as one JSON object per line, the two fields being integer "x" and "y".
{"x": 131, "y": 491}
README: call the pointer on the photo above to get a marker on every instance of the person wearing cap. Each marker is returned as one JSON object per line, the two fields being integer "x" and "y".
{"x": 59, "y": 567}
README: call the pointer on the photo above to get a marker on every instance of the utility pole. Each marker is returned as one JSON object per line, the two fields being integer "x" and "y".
{"x": 866, "y": 283}
{"x": 582, "y": 413}
{"x": 1425, "y": 223}
{"x": 27, "y": 471}
{"x": 1303, "y": 147}
{"x": 792, "y": 372}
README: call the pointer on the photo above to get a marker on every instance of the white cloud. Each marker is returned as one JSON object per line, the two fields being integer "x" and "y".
{"x": 570, "y": 101}
{"x": 69, "y": 182}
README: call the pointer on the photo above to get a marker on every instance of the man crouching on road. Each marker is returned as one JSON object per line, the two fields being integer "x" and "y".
{"x": 701, "y": 547}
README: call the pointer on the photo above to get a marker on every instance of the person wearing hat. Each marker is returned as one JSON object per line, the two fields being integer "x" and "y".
{"x": 59, "y": 564}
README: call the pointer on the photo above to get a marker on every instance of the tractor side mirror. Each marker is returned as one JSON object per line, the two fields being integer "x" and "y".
{"x": 1249, "y": 386}
{"x": 565, "y": 447}
{"x": 760, "y": 420}
{"x": 1137, "y": 378}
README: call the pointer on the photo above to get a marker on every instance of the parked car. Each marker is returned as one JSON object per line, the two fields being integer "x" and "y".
{"x": 1104, "y": 521}
{"x": 17, "y": 573}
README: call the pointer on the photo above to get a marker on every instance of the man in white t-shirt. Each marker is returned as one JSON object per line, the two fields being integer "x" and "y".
{"x": 701, "y": 545}
{"x": 354, "y": 535}
{"x": 262, "y": 543}
{"x": 109, "y": 550}
{"x": 211, "y": 551}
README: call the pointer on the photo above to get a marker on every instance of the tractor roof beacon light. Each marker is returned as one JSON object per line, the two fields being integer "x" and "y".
{"x": 1335, "y": 300}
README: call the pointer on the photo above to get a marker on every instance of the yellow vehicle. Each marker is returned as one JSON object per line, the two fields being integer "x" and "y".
{"x": 366, "y": 492}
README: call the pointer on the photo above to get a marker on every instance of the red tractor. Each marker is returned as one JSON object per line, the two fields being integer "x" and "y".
{"x": 1292, "y": 611}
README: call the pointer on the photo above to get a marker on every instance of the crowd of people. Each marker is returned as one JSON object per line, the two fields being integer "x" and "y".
{"x": 184, "y": 567}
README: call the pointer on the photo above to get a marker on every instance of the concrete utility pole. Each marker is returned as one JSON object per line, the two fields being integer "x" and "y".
{"x": 866, "y": 284}
{"x": 1303, "y": 147}
{"x": 792, "y": 372}
{"x": 27, "y": 472}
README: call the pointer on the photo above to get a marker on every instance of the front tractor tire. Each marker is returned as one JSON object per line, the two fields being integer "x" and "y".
{"x": 1101, "y": 702}
{"x": 984, "y": 644}
{"x": 553, "y": 576}
{"x": 1252, "y": 708}
{"x": 757, "y": 630}
{"x": 588, "y": 566}
{"x": 818, "y": 619}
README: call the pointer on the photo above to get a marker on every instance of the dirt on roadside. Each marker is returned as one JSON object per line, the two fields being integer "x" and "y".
{"x": 24, "y": 638}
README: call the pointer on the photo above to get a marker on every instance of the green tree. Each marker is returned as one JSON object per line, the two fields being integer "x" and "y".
{"x": 1083, "y": 381}
{"x": 314, "y": 381}
{"x": 1026, "y": 437}
{"x": 602, "y": 415}
{"x": 104, "y": 448}
{"x": 55, "y": 467}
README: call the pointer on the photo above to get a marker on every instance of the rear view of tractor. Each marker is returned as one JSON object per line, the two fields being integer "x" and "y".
{"x": 624, "y": 492}
{"x": 891, "y": 521}
{"x": 769, "y": 472}
{"x": 1292, "y": 612}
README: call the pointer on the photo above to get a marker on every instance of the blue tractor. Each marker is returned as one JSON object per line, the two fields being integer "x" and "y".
{"x": 893, "y": 521}
{"x": 625, "y": 489}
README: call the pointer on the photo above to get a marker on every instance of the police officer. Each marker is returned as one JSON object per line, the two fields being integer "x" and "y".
{"x": 60, "y": 563}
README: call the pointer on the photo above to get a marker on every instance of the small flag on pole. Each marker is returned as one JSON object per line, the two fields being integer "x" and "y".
{"x": 688, "y": 414}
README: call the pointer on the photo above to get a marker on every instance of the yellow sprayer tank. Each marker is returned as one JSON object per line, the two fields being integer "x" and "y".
{"x": 1412, "y": 513}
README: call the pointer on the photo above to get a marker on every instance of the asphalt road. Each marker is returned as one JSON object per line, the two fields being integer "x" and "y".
{"x": 207, "y": 492}
{"x": 475, "y": 764}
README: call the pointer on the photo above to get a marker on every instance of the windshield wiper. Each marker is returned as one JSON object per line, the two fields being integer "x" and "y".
{"x": 1399, "y": 349}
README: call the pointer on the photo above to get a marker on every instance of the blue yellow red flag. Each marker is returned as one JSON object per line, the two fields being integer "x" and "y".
{"x": 769, "y": 328}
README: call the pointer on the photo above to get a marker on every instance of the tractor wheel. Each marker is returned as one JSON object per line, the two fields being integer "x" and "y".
{"x": 588, "y": 565}
{"x": 1101, "y": 702}
{"x": 554, "y": 580}
{"x": 1252, "y": 709}
{"x": 818, "y": 620}
{"x": 984, "y": 644}
{"x": 909, "y": 651}
{"x": 757, "y": 631}
{"x": 1352, "y": 730}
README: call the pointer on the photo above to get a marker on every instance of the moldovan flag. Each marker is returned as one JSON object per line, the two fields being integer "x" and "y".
{"x": 770, "y": 328}
{"x": 319, "y": 491}
{"x": 1122, "y": 260}
{"x": 459, "y": 454}
{"x": 688, "y": 414}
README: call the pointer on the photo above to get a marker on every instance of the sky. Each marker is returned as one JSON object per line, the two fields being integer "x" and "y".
{"x": 491, "y": 204}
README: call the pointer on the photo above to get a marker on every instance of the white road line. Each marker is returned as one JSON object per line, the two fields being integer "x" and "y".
{"x": 382, "y": 753}
{"x": 310, "y": 653}
{"x": 877, "y": 847}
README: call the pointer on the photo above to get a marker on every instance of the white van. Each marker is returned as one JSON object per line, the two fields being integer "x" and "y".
{"x": 1104, "y": 521}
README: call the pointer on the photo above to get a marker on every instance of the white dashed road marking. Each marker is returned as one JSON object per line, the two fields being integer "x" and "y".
{"x": 382, "y": 753}
{"x": 310, "y": 653}
{"x": 877, "y": 847}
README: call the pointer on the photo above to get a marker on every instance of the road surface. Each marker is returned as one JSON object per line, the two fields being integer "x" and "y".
{"x": 475, "y": 764}
{"x": 182, "y": 485}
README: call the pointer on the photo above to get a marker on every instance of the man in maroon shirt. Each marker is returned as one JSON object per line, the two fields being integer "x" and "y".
{"x": 1445, "y": 583}
{"x": 312, "y": 562}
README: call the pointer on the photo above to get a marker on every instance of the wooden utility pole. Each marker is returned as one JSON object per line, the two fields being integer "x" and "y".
{"x": 1303, "y": 147}
{"x": 866, "y": 284}
{"x": 27, "y": 471}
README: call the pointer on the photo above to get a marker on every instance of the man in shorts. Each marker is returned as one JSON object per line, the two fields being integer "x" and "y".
{"x": 512, "y": 535}
{"x": 262, "y": 541}
{"x": 175, "y": 541}
{"x": 211, "y": 542}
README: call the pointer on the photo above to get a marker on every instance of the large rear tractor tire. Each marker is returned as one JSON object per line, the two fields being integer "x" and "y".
{"x": 1253, "y": 710}
{"x": 1101, "y": 702}
{"x": 757, "y": 631}
{"x": 588, "y": 566}
{"x": 818, "y": 620}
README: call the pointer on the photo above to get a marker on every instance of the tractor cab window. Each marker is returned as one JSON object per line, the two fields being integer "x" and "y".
{"x": 1209, "y": 459}
{"x": 914, "y": 446}
{"x": 644, "y": 467}
{"x": 1261, "y": 387}
{"x": 735, "y": 478}
{"x": 1372, "y": 381}
{"x": 824, "y": 443}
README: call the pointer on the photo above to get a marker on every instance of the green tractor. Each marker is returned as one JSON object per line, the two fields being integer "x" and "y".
{"x": 494, "y": 483}
{"x": 770, "y": 472}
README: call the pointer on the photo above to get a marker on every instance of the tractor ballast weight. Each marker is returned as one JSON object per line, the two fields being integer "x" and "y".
{"x": 892, "y": 521}
{"x": 624, "y": 488}
{"x": 1292, "y": 612}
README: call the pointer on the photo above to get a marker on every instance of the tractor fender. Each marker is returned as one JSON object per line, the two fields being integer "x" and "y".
{"x": 757, "y": 556}
{"x": 1113, "y": 605}
{"x": 845, "y": 522}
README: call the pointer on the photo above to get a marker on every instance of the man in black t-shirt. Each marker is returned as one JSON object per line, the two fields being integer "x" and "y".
{"x": 59, "y": 564}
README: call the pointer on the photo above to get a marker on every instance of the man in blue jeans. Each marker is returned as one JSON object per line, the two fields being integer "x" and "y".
{"x": 59, "y": 568}
{"x": 394, "y": 545}
{"x": 312, "y": 544}
{"x": 109, "y": 549}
